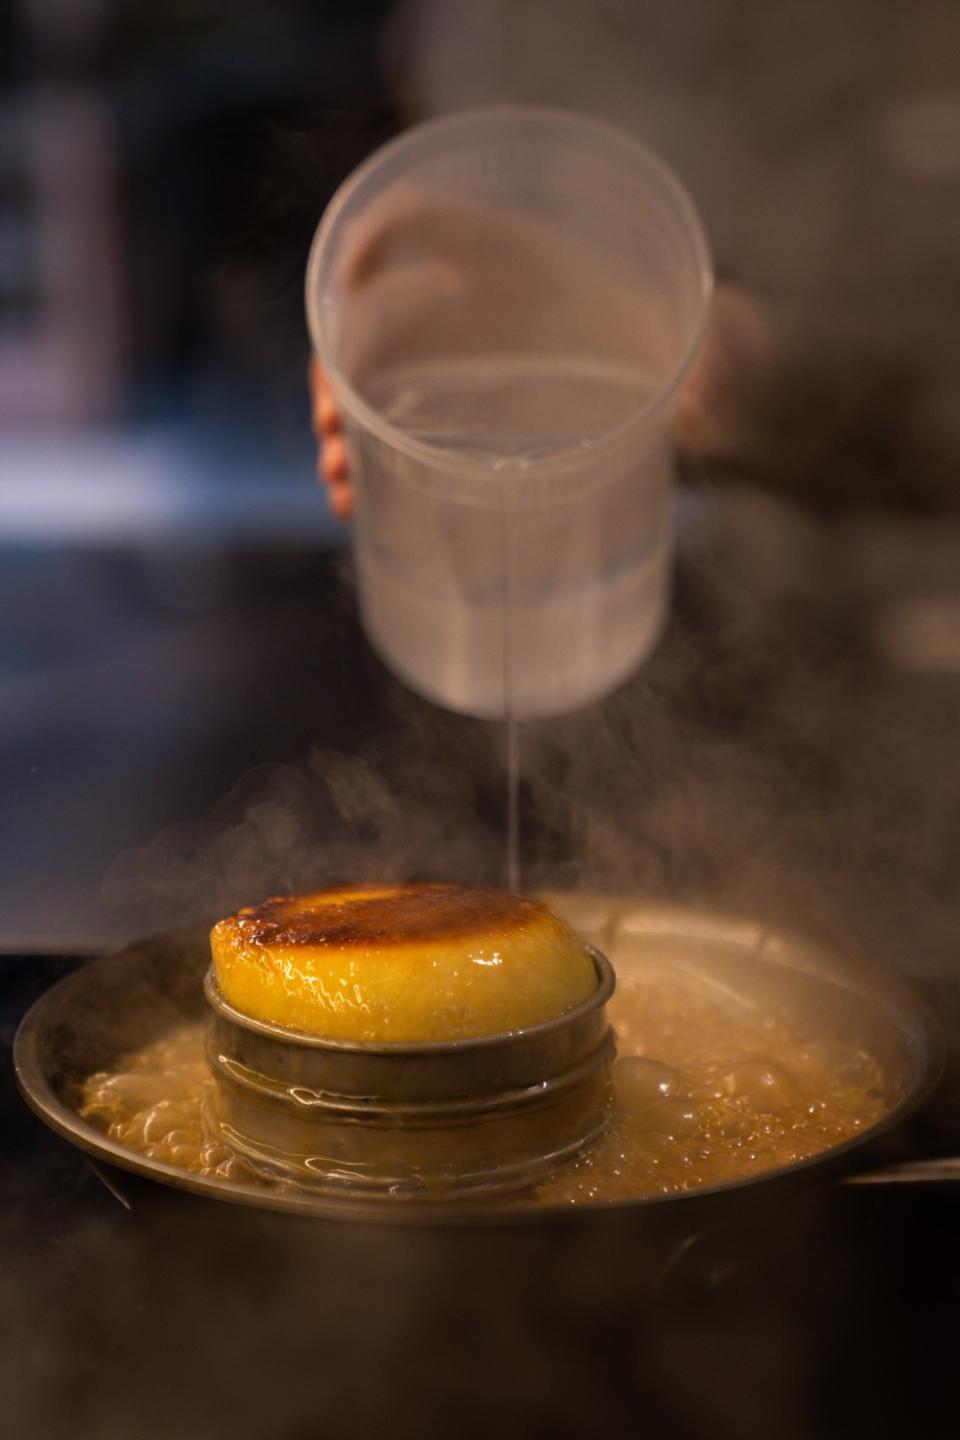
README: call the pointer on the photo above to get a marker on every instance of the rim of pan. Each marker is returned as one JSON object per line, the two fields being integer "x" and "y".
{"x": 927, "y": 1048}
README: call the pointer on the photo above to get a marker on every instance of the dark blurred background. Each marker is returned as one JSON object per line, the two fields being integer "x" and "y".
{"x": 172, "y": 605}
{"x": 162, "y": 168}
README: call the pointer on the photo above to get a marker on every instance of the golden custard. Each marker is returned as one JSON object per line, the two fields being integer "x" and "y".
{"x": 401, "y": 963}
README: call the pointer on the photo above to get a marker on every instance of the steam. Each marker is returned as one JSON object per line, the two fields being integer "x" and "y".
{"x": 216, "y": 1321}
{"x": 765, "y": 762}
{"x": 769, "y": 758}
{"x": 820, "y": 143}
{"x": 392, "y": 813}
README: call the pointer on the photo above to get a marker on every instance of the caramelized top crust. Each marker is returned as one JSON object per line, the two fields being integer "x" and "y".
{"x": 364, "y": 916}
{"x": 401, "y": 962}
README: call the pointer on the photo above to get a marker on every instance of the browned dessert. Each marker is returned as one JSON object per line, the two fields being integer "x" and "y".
{"x": 401, "y": 963}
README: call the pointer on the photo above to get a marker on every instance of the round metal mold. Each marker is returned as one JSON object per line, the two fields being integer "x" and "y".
{"x": 117, "y": 1003}
{"x": 439, "y": 1120}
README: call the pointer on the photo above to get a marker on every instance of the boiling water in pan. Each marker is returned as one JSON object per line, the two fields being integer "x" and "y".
{"x": 707, "y": 1088}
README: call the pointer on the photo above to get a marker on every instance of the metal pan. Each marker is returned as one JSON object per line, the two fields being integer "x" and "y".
{"x": 118, "y": 1003}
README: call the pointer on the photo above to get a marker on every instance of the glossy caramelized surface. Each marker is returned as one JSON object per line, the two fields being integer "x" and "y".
{"x": 401, "y": 963}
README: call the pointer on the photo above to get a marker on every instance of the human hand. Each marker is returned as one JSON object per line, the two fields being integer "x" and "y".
{"x": 332, "y": 466}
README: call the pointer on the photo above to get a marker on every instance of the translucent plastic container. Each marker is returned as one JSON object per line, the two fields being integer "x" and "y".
{"x": 505, "y": 303}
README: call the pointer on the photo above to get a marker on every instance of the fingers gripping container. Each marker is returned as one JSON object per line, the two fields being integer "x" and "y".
{"x": 506, "y": 303}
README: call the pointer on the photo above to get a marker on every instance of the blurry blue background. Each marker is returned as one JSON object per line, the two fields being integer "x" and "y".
{"x": 162, "y": 167}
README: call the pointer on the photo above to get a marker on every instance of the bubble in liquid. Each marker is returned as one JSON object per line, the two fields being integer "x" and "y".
{"x": 638, "y": 1081}
{"x": 670, "y": 1117}
{"x": 736, "y": 1127}
{"x": 162, "y": 1119}
{"x": 130, "y": 1090}
{"x": 853, "y": 1067}
{"x": 767, "y": 1088}
{"x": 184, "y": 1155}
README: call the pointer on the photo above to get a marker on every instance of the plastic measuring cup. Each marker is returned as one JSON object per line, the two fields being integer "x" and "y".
{"x": 506, "y": 302}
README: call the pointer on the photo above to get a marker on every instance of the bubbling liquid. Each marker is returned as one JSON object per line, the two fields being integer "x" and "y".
{"x": 706, "y": 1089}
{"x": 699, "y": 1098}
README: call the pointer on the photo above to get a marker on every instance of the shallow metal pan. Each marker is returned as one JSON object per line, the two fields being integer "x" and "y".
{"x": 120, "y": 1002}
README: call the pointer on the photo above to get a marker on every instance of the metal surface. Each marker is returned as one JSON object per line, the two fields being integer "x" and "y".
{"x": 411, "y": 1120}
{"x": 446, "y": 1070}
{"x": 118, "y": 1003}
